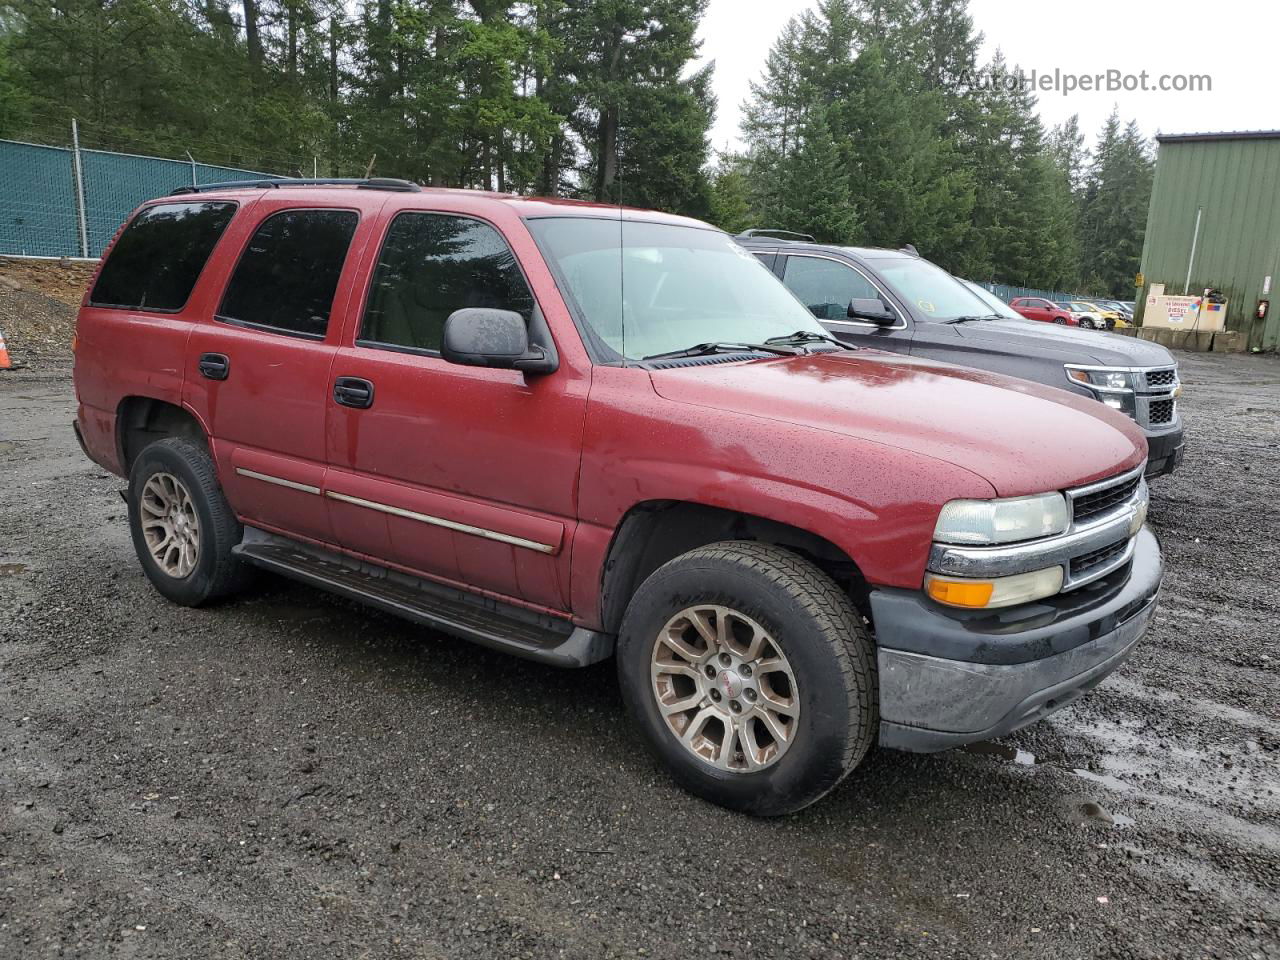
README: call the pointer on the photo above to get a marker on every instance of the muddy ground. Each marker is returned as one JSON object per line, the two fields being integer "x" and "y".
{"x": 289, "y": 775}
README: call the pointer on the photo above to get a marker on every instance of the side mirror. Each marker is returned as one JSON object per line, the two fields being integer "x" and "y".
{"x": 872, "y": 309}
{"x": 485, "y": 337}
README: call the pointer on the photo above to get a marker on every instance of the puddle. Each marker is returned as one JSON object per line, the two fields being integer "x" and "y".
{"x": 1100, "y": 813}
{"x": 12, "y": 569}
{"x": 1012, "y": 754}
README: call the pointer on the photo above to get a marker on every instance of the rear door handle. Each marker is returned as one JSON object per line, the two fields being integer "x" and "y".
{"x": 214, "y": 366}
{"x": 353, "y": 392}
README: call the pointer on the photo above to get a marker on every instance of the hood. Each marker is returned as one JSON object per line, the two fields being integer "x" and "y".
{"x": 1068, "y": 344}
{"x": 1021, "y": 437}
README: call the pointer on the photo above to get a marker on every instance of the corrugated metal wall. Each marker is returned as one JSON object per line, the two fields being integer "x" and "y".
{"x": 1236, "y": 185}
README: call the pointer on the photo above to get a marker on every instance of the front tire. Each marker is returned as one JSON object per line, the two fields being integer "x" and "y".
{"x": 182, "y": 526}
{"x": 1061, "y": 320}
{"x": 751, "y": 676}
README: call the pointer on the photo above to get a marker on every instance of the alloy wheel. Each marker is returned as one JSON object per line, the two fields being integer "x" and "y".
{"x": 170, "y": 524}
{"x": 725, "y": 688}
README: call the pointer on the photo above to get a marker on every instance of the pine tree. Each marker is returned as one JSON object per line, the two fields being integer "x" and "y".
{"x": 1114, "y": 208}
{"x": 812, "y": 193}
{"x": 731, "y": 208}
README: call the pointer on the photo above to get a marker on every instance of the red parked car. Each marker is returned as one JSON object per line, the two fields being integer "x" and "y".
{"x": 1038, "y": 308}
{"x": 569, "y": 432}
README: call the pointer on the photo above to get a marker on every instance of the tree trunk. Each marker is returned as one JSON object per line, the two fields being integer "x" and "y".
{"x": 251, "y": 34}
{"x": 291, "y": 11}
{"x": 607, "y": 152}
{"x": 333, "y": 93}
{"x": 607, "y": 129}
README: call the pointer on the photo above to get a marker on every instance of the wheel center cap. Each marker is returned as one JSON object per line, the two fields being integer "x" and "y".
{"x": 729, "y": 683}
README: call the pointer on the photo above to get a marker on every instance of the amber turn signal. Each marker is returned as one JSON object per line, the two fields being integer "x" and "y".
{"x": 960, "y": 593}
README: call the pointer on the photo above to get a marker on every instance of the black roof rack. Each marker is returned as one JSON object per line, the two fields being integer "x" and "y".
{"x": 374, "y": 183}
{"x": 780, "y": 234}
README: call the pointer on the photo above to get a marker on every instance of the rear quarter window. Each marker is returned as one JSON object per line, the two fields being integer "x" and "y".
{"x": 158, "y": 258}
{"x": 288, "y": 274}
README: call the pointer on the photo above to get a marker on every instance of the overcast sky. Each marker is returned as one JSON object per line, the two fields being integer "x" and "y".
{"x": 1233, "y": 41}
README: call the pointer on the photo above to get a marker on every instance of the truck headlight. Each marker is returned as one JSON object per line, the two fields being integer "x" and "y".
{"x": 994, "y": 592}
{"x": 1102, "y": 379}
{"x": 1001, "y": 521}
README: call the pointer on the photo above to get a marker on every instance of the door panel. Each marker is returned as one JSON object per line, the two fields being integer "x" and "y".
{"x": 428, "y": 474}
{"x": 265, "y": 410}
{"x": 462, "y": 474}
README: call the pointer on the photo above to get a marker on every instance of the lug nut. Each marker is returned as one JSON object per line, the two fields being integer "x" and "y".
{"x": 749, "y": 694}
{"x": 725, "y": 659}
{"x": 715, "y": 695}
{"x": 735, "y": 706}
{"x": 711, "y": 671}
{"x": 745, "y": 669}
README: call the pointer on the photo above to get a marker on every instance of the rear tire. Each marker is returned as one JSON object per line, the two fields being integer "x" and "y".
{"x": 751, "y": 676}
{"x": 183, "y": 528}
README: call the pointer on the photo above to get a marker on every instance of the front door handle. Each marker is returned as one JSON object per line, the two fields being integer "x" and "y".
{"x": 353, "y": 392}
{"x": 215, "y": 366}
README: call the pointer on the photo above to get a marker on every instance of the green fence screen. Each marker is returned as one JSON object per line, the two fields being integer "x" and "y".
{"x": 39, "y": 212}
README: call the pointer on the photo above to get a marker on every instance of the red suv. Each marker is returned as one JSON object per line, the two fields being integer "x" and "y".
{"x": 569, "y": 432}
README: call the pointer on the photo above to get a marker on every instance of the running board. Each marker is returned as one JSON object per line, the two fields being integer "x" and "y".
{"x": 478, "y": 619}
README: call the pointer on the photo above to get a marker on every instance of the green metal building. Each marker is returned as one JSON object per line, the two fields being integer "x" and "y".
{"x": 1215, "y": 222}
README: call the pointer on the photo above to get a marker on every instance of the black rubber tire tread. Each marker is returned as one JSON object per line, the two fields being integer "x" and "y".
{"x": 840, "y": 629}
{"x": 218, "y": 573}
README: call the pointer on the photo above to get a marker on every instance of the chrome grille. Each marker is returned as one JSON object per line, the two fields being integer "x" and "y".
{"x": 1095, "y": 503}
{"x": 1161, "y": 378}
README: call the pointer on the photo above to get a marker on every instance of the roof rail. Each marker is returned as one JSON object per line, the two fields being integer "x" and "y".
{"x": 780, "y": 234}
{"x": 374, "y": 183}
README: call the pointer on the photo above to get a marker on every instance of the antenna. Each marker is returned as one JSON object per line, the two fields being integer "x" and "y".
{"x": 622, "y": 239}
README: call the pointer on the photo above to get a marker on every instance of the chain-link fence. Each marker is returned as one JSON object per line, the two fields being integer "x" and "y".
{"x": 69, "y": 202}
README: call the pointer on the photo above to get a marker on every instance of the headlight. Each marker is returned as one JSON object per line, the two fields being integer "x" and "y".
{"x": 1001, "y": 521}
{"x": 1102, "y": 378}
{"x": 996, "y": 592}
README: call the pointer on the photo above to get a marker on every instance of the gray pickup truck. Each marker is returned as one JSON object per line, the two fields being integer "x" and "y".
{"x": 896, "y": 300}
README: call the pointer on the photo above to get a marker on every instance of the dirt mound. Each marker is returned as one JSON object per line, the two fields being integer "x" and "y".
{"x": 38, "y": 303}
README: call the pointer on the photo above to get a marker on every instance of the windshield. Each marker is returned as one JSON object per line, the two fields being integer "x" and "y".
{"x": 997, "y": 305}
{"x": 671, "y": 288}
{"x": 936, "y": 294}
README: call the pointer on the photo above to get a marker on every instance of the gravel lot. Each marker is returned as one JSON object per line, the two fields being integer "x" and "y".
{"x": 292, "y": 775}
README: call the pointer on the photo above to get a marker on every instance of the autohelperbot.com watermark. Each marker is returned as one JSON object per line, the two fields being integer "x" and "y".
{"x": 1066, "y": 83}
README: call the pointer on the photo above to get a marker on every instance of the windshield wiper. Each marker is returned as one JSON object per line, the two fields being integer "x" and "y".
{"x": 987, "y": 316}
{"x": 723, "y": 346}
{"x": 810, "y": 336}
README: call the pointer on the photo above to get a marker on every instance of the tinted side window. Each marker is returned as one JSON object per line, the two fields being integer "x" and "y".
{"x": 767, "y": 258}
{"x": 826, "y": 287}
{"x": 431, "y": 265}
{"x": 158, "y": 258}
{"x": 289, "y": 272}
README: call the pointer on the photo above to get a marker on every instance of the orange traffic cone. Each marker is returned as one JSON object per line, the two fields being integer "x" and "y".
{"x": 5, "y": 362}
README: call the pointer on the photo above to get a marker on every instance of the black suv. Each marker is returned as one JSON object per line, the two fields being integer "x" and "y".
{"x": 896, "y": 300}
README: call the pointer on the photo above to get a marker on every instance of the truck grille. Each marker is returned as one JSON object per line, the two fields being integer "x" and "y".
{"x": 1160, "y": 411}
{"x": 1099, "y": 502}
{"x": 1161, "y": 378}
{"x": 1083, "y": 564}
